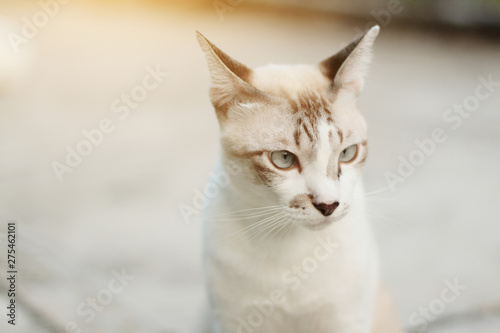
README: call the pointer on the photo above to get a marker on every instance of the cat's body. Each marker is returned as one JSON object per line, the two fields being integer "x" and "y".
{"x": 328, "y": 277}
{"x": 288, "y": 247}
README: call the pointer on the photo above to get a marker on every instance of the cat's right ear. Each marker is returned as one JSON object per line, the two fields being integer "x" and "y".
{"x": 347, "y": 68}
{"x": 230, "y": 78}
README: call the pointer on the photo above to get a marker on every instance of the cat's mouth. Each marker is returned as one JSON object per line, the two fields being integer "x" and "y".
{"x": 320, "y": 223}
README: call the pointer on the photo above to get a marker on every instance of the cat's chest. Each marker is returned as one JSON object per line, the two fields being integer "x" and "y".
{"x": 305, "y": 277}
{"x": 290, "y": 300}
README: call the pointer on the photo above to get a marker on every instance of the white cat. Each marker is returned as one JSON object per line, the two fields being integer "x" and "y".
{"x": 288, "y": 247}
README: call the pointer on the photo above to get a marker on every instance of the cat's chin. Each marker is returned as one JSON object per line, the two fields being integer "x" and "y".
{"x": 320, "y": 225}
{"x": 325, "y": 222}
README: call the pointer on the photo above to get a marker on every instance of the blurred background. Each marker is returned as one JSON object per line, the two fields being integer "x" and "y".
{"x": 107, "y": 135}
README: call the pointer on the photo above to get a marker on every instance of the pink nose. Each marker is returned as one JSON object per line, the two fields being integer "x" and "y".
{"x": 326, "y": 209}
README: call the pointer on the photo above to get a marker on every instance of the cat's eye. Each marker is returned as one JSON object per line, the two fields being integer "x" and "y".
{"x": 283, "y": 159}
{"x": 349, "y": 154}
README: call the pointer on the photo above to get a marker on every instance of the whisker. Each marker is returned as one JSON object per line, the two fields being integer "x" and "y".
{"x": 245, "y": 217}
{"x": 277, "y": 226}
{"x": 261, "y": 224}
{"x": 271, "y": 222}
{"x": 280, "y": 228}
{"x": 247, "y": 229}
{"x": 264, "y": 208}
{"x": 269, "y": 226}
{"x": 378, "y": 191}
{"x": 371, "y": 199}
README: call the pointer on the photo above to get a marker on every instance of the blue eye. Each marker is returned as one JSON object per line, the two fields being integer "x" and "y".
{"x": 283, "y": 159}
{"x": 349, "y": 154}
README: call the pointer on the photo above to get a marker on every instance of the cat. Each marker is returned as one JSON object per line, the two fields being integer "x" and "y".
{"x": 287, "y": 245}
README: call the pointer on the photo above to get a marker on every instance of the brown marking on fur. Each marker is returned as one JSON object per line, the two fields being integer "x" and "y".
{"x": 248, "y": 154}
{"x": 296, "y": 136}
{"x": 326, "y": 108}
{"x": 296, "y": 133}
{"x": 300, "y": 201}
{"x": 330, "y": 135}
{"x": 299, "y": 167}
{"x": 238, "y": 79}
{"x": 267, "y": 175}
{"x": 341, "y": 135}
{"x": 284, "y": 142}
{"x": 307, "y": 132}
{"x": 240, "y": 70}
{"x": 364, "y": 143}
{"x": 294, "y": 106}
{"x": 309, "y": 107}
{"x": 330, "y": 67}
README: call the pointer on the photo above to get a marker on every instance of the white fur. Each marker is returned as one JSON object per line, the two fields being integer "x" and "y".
{"x": 337, "y": 297}
{"x": 325, "y": 288}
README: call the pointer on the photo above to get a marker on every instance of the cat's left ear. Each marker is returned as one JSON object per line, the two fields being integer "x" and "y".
{"x": 347, "y": 68}
{"x": 230, "y": 79}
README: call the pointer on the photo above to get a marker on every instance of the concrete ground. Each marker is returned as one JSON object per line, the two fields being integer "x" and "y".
{"x": 111, "y": 230}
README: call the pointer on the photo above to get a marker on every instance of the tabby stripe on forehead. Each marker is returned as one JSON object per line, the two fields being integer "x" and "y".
{"x": 327, "y": 110}
{"x": 309, "y": 106}
{"x": 296, "y": 136}
{"x": 296, "y": 133}
{"x": 294, "y": 105}
{"x": 311, "y": 110}
{"x": 341, "y": 135}
{"x": 304, "y": 126}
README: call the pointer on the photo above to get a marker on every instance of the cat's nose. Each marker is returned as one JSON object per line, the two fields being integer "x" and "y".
{"x": 326, "y": 209}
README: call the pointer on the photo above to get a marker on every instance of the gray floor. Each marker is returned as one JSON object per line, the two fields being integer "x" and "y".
{"x": 119, "y": 209}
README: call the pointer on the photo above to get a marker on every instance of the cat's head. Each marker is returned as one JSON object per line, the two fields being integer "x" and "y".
{"x": 295, "y": 131}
